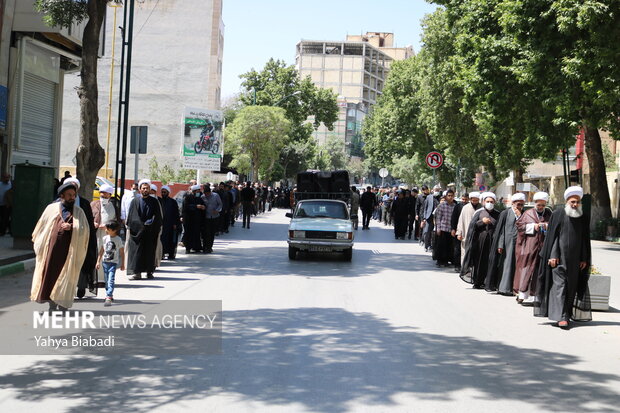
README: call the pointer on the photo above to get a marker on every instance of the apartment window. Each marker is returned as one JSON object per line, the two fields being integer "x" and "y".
{"x": 331, "y": 48}
{"x": 353, "y": 49}
{"x": 312, "y": 48}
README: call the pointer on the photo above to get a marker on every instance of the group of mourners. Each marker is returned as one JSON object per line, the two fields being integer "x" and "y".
{"x": 75, "y": 240}
{"x": 539, "y": 256}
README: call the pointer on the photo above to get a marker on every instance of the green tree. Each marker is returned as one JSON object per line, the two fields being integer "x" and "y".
{"x": 167, "y": 174}
{"x": 542, "y": 70}
{"x": 279, "y": 84}
{"x": 90, "y": 156}
{"x": 297, "y": 156}
{"x": 411, "y": 171}
{"x": 571, "y": 55}
{"x": 331, "y": 155}
{"x": 256, "y": 139}
{"x": 358, "y": 168}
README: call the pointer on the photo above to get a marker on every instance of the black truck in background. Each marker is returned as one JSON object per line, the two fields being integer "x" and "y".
{"x": 323, "y": 185}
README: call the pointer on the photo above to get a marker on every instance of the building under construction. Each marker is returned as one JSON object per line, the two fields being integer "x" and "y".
{"x": 356, "y": 70}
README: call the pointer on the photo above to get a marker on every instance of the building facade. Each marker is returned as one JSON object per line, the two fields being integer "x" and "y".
{"x": 356, "y": 70}
{"x": 34, "y": 59}
{"x": 177, "y": 62}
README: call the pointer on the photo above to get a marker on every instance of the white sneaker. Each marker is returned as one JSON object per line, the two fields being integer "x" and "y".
{"x": 529, "y": 300}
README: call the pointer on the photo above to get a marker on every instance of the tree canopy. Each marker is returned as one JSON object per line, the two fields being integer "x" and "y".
{"x": 498, "y": 83}
{"x": 280, "y": 85}
{"x": 256, "y": 139}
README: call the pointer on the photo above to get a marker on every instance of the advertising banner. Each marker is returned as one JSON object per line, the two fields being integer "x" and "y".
{"x": 203, "y": 140}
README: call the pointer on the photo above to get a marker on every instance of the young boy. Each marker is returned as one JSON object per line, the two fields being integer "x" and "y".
{"x": 111, "y": 255}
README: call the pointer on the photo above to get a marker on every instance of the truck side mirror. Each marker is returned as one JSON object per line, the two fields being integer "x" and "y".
{"x": 289, "y": 215}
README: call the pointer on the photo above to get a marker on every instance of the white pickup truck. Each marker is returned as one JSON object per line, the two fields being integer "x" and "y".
{"x": 320, "y": 225}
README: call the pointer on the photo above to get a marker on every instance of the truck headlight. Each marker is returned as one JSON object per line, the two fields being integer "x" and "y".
{"x": 344, "y": 235}
{"x": 297, "y": 234}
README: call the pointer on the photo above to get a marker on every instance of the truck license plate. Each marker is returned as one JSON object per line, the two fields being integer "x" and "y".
{"x": 314, "y": 248}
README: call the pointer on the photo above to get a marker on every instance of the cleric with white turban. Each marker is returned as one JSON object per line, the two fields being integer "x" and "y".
{"x": 88, "y": 268}
{"x": 501, "y": 269}
{"x": 573, "y": 191}
{"x": 532, "y": 229}
{"x": 486, "y": 195}
{"x": 562, "y": 292}
{"x": 541, "y": 196}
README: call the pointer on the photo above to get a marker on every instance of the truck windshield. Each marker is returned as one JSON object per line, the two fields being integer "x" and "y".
{"x": 315, "y": 209}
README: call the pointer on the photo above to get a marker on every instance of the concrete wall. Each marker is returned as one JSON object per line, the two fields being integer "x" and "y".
{"x": 173, "y": 66}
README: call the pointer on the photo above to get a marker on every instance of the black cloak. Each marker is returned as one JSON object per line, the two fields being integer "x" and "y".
{"x": 581, "y": 305}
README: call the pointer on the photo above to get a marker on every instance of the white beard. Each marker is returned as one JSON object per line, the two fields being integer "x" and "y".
{"x": 573, "y": 212}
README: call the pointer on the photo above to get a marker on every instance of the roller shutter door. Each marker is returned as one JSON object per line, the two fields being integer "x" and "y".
{"x": 38, "y": 121}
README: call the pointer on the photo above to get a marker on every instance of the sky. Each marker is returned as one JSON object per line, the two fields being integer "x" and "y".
{"x": 256, "y": 30}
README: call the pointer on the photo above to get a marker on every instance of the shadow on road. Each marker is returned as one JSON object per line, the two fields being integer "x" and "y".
{"x": 324, "y": 359}
{"x": 367, "y": 263}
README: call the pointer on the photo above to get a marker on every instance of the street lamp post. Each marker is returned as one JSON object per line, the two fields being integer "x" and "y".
{"x": 297, "y": 92}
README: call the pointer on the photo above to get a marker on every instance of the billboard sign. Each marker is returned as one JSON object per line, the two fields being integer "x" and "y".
{"x": 203, "y": 139}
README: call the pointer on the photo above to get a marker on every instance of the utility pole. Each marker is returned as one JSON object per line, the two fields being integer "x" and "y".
{"x": 123, "y": 107}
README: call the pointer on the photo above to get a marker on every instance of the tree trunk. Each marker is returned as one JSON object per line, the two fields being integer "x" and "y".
{"x": 601, "y": 204}
{"x": 90, "y": 155}
{"x": 518, "y": 176}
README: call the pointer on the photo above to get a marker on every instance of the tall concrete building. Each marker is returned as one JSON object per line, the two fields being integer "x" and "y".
{"x": 356, "y": 70}
{"x": 177, "y": 62}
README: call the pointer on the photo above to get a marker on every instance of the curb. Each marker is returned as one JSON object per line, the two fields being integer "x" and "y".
{"x": 17, "y": 267}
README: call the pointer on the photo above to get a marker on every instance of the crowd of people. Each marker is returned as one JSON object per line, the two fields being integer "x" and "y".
{"x": 135, "y": 234}
{"x": 539, "y": 256}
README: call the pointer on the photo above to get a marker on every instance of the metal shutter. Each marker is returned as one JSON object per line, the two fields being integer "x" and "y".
{"x": 38, "y": 121}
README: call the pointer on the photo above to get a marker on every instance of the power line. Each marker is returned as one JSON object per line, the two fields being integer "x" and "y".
{"x": 147, "y": 19}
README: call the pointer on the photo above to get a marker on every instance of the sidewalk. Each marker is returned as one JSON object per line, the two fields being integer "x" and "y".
{"x": 12, "y": 260}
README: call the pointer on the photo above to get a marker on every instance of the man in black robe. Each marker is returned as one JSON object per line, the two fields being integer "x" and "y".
{"x": 454, "y": 223}
{"x": 368, "y": 201}
{"x": 418, "y": 210}
{"x": 227, "y": 203}
{"x": 144, "y": 221}
{"x": 478, "y": 242}
{"x": 400, "y": 215}
{"x": 193, "y": 211}
{"x": 170, "y": 223}
{"x": 562, "y": 289}
{"x": 412, "y": 201}
{"x": 247, "y": 203}
{"x": 500, "y": 275}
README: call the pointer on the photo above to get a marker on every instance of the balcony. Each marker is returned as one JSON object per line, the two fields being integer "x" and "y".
{"x": 27, "y": 20}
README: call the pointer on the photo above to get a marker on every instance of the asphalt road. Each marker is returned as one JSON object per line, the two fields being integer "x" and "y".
{"x": 388, "y": 332}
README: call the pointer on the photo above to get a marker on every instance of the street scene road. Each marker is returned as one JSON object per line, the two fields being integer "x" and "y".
{"x": 388, "y": 331}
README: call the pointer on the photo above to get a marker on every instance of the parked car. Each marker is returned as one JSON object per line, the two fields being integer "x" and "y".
{"x": 320, "y": 225}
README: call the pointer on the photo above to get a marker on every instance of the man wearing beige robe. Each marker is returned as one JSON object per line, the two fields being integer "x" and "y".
{"x": 466, "y": 215}
{"x": 60, "y": 243}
